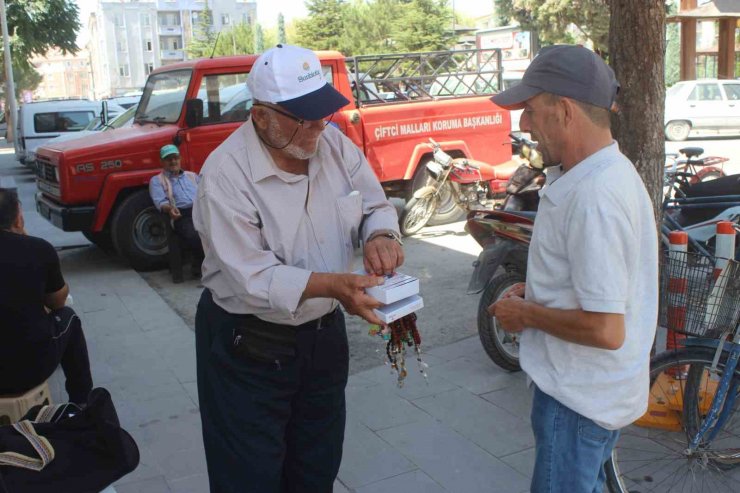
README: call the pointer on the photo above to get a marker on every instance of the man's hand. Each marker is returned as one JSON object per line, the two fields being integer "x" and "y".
{"x": 349, "y": 289}
{"x": 175, "y": 213}
{"x": 509, "y": 312}
{"x": 382, "y": 255}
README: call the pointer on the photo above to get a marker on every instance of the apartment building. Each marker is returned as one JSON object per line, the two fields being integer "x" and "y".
{"x": 130, "y": 38}
{"x": 63, "y": 76}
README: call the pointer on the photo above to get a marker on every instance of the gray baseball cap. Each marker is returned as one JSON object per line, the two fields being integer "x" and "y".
{"x": 566, "y": 70}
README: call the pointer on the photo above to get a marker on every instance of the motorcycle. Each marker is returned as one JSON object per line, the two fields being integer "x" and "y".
{"x": 473, "y": 185}
{"x": 505, "y": 234}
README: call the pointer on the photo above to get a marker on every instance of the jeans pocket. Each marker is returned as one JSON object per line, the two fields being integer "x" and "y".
{"x": 588, "y": 430}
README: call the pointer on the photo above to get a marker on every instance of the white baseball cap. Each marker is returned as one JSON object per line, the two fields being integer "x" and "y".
{"x": 291, "y": 77}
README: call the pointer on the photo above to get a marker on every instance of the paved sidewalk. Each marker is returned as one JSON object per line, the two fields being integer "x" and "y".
{"x": 465, "y": 431}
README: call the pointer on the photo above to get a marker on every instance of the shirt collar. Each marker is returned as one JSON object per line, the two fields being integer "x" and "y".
{"x": 173, "y": 175}
{"x": 559, "y": 183}
{"x": 262, "y": 165}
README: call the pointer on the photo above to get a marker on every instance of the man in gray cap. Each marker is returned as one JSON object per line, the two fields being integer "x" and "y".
{"x": 587, "y": 314}
{"x": 281, "y": 207}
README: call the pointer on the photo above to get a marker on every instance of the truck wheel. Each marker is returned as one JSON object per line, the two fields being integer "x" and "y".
{"x": 139, "y": 233}
{"x": 502, "y": 347}
{"x": 677, "y": 130}
{"x": 101, "y": 239}
{"x": 416, "y": 213}
{"x": 447, "y": 210}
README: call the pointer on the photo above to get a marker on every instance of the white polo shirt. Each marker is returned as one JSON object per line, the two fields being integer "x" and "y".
{"x": 595, "y": 247}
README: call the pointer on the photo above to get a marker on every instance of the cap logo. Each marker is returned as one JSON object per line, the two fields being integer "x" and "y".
{"x": 306, "y": 66}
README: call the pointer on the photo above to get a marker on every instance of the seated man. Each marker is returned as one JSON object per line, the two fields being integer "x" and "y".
{"x": 173, "y": 191}
{"x": 37, "y": 332}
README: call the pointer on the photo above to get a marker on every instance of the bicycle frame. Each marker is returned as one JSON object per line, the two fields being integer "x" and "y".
{"x": 723, "y": 401}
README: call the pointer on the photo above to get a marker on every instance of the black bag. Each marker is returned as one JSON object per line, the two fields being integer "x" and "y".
{"x": 263, "y": 341}
{"x": 66, "y": 449}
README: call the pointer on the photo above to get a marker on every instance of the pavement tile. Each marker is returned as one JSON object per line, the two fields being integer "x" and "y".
{"x": 367, "y": 458}
{"x": 452, "y": 460}
{"x": 339, "y": 488}
{"x": 134, "y": 388}
{"x": 477, "y": 375}
{"x": 365, "y": 405}
{"x": 163, "y": 437}
{"x": 147, "y": 468}
{"x": 414, "y": 386}
{"x": 190, "y": 484}
{"x": 522, "y": 461}
{"x": 517, "y": 401}
{"x": 492, "y": 428}
{"x": 463, "y": 347}
{"x": 410, "y": 482}
{"x": 192, "y": 389}
{"x": 151, "y": 485}
{"x": 143, "y": 413}
{"x": 183, "y": 463}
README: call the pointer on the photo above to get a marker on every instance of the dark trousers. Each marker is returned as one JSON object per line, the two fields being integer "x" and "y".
{"x": 271, "y": 427}
{"x": 66, "y": 346}
{"x": 185, "y": 230}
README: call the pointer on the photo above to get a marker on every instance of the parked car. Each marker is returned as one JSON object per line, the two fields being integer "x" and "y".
{"x": 123, "y": 120}
{"x": 126, "y": 101}
{"x": 41, "y": 121}
{"x": 702, "y": 107}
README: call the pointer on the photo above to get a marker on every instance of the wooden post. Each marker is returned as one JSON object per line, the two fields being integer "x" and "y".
{"x": 726, "y": 60}
{"x": 688, "y": 42}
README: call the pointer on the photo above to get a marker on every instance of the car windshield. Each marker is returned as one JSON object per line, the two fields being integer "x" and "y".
{"x": 94, "y": 124}
{"x": 163, "y": 97}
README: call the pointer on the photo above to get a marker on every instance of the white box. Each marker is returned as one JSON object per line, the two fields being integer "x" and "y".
{"x": 394, "y": 311}
{"x": 394, "y": 288}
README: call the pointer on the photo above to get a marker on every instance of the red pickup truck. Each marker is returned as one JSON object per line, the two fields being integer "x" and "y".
{"x": 98, "y": 184}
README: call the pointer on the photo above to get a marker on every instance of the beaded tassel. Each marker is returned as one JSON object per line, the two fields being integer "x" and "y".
{"x": 399, "y": 334}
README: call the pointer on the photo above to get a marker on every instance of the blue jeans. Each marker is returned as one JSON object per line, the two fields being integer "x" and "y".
{"x": 570, "y": 449}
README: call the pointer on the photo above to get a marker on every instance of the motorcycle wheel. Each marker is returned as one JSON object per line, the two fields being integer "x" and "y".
{"x": 416, "y": 213}
{"x": 447, "y": 209}
{"x": 502, "y": 347}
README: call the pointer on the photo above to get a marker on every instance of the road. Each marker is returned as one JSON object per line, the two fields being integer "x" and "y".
{"x": 440, "y": 257}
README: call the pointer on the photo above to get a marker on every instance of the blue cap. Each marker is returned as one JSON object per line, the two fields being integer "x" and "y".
{"x": 168, "y": 150}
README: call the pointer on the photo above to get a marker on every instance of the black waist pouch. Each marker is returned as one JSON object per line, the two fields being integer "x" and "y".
{"x": 262, "y": 341}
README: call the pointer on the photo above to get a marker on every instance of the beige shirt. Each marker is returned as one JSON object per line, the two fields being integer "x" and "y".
{"x": 265, "y": 230}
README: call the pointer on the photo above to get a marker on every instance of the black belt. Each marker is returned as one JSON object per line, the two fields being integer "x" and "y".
{"x": 314, "y": 324}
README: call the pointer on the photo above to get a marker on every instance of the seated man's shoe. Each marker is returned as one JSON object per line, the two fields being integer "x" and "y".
{"x": 177, "y": 278}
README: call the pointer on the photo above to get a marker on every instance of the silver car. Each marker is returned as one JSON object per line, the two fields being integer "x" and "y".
{"x": 702, "y": 107}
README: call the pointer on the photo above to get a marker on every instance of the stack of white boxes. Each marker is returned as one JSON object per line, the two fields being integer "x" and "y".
{"x": 399, "y": 295}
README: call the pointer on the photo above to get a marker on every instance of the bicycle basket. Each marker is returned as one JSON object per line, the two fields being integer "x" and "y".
{"x": 694, "y": 300}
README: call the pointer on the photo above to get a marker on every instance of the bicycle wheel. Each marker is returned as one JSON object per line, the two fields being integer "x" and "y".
{"x": 656, "y": 460}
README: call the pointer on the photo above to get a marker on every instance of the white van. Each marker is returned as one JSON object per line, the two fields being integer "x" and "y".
{"x": 41, "y": 121}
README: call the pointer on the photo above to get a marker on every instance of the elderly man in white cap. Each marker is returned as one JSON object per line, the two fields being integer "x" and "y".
{"x": 281, "y": 207}
{"x": 589, "y": 310}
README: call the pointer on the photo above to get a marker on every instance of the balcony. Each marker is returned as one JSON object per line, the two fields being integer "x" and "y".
{"x": 171, "y": 55}
{"x": 170, "y": 30}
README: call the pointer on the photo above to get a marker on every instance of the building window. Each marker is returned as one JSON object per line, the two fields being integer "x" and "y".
{"x": 122, "y": 45}
{"x": 123, "y": 70}
{"x": 148, "y": 45}
{"x": 225, "y": 19}
{"x": 247, "y": 19}
{"x": 148, "y": 67}
{"x": 146, "y": 20}
{"x": 118, "y": 20}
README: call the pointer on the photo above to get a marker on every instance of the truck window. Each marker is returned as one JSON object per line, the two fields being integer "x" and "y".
{"x": 61, "y": 121}
{"x": 225, "y": 98}
{"x": 163, "y": 97}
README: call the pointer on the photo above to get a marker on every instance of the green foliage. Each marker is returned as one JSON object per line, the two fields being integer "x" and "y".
{"x": 673, "y": 51}
{"x": 561, "y": 21}
{"x": 324, "y": 27}
{"x": 35, "y": 26}
{"x": 281, "y": 37}
{"x": 204, "y": 38}
{"x": 239, "y": 40}
{"x": 376, "y": 26}
{"x": 259, "y": 39}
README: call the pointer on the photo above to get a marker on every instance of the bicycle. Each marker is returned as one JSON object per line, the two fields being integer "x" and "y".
{"x": 680, "y": 173}
{"x": 693, "y": 390}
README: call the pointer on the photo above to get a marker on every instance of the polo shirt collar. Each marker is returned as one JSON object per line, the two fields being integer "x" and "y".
{"x": 174, "y": 175}
{"x": 261, "y": 163}
{"x": 559, "y": 184}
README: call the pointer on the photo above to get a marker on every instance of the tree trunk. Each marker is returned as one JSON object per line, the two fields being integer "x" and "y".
{"x": 637, "y": 53}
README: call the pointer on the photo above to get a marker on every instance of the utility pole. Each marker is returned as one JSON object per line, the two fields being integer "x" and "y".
{"x": 9, "y": 84}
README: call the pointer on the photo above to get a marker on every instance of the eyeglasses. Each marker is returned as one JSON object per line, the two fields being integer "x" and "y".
{"x": 300, "y": 121}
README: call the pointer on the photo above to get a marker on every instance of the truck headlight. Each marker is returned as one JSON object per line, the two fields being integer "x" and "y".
{"x": 56, "y": 173}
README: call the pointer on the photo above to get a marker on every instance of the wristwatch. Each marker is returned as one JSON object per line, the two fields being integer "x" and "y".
{"x": 388, "y": 233}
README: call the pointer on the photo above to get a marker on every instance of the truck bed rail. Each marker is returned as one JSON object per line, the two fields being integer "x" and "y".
{"x": 401, "y": 77}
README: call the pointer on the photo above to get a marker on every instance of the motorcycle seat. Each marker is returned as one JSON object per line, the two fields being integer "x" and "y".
{"x": 690, "y": 152}
{"x": 725, "y": 185}
{"x": 525, "y": 214}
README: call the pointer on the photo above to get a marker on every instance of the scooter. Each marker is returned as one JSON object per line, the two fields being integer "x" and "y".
{"x": 472, "y": 185}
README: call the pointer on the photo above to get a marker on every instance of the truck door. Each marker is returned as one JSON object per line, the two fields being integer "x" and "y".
{"x": 226, "y": 103}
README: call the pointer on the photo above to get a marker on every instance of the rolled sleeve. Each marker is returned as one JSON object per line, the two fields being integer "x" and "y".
{"x": 157, "y": 193}
{"x": 229, "y": 226}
